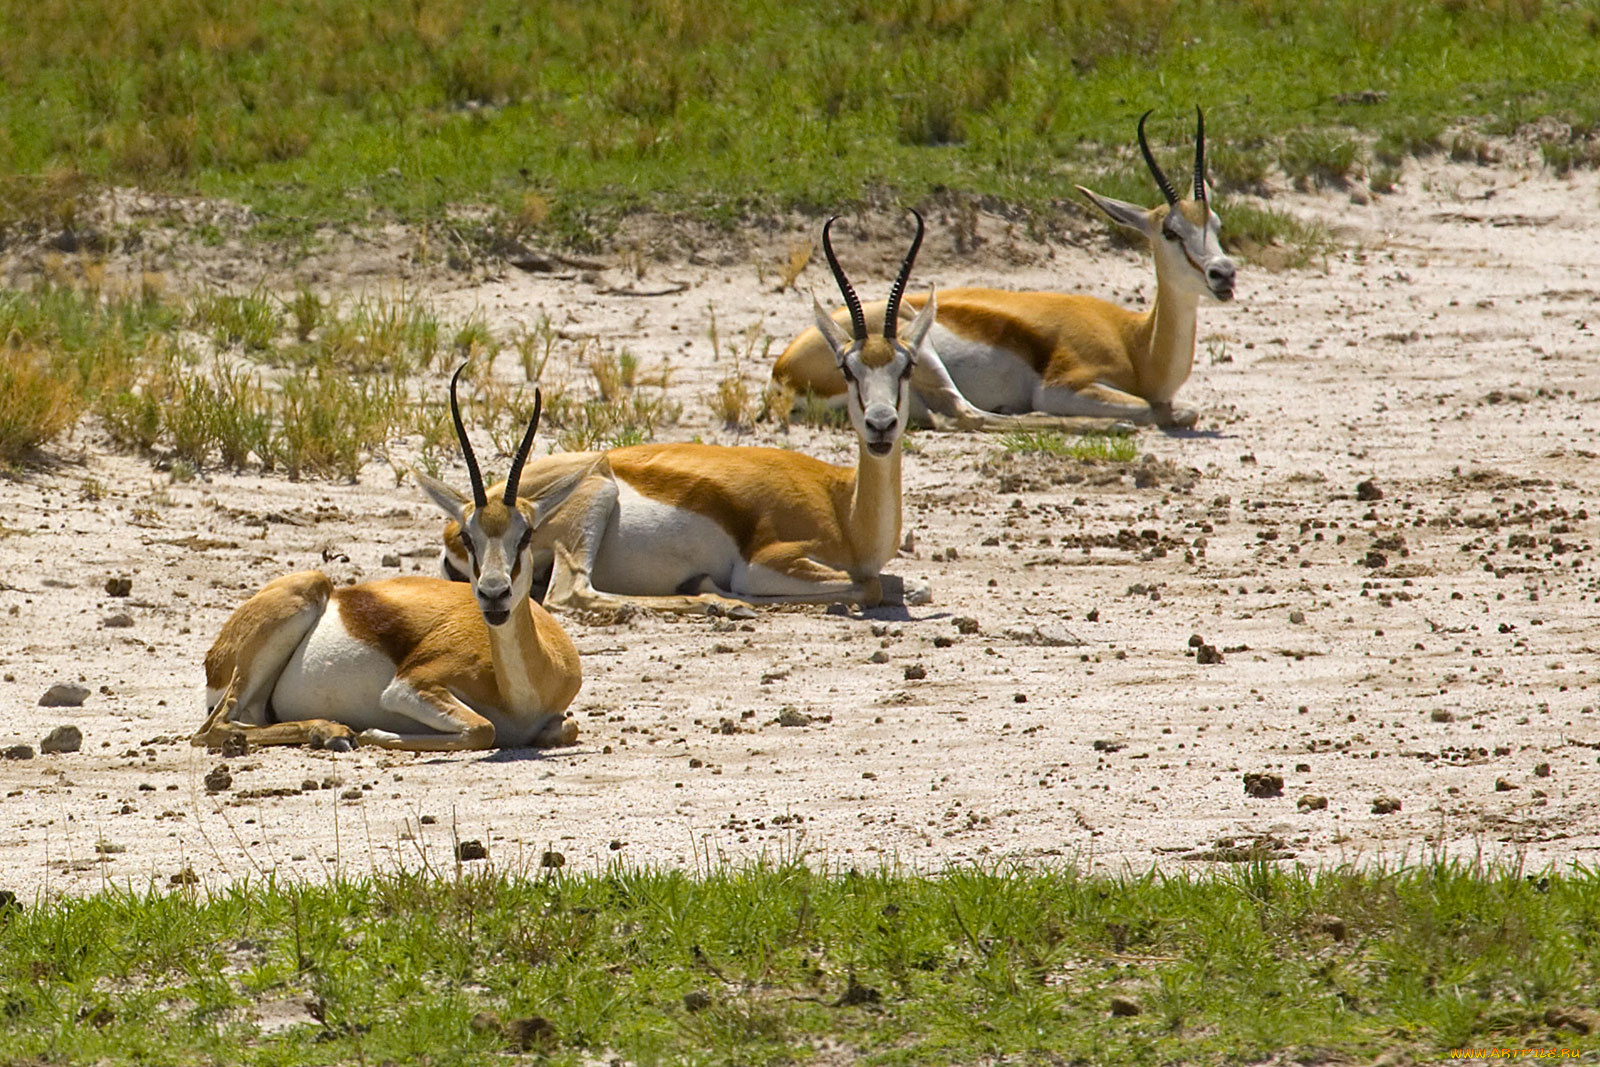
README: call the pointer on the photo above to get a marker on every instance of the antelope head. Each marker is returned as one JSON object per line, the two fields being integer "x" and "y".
{"x": 1185, "y": 234}
{"x": 496, "y": 535}
{"x": 876, "y": 368}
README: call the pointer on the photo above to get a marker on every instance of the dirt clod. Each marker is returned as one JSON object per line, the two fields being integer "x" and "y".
{"x": 117, "y": 586}
{"x": 965, "y": 624}
{"x": 1442, "y": 715}
{"x": 1368, "y": 490}
{"x": 218, "y": 779}
{"x": 696, "y": 1000}
{"x": 17, "y": 752}
{"x": 1263, "y": 785}
{"x": 552, "y": 860}
{"x": 1312, "y": 802}
{"x": 1382, "y": 805}
{"x": 915, "y": 672}
{"x": 855, "y": 993}
{"x": 1126, "y": 1007}
{"x": 1207, "y": 655}
{"x": 793, "y": 717}
{"x": 184, "y": 877}
{"x": 471, "y": 849}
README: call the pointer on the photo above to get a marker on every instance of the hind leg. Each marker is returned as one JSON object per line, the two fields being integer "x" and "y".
{"x": 248, "y": 656}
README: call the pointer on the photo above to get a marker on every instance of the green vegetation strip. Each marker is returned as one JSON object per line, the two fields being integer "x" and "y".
{"x": 559, "y": 116}
{"x": 764, "y": 964}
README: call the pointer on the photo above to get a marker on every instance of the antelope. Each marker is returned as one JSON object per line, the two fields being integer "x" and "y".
{"x": 1000, "y": 360}
{"x": 707, "y": 529}
{"x": 414, "y": 663}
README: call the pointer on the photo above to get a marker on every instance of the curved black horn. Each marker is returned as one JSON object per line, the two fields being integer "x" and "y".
{"x": 478, "y": 497}
{"x": 891, "y": 314}
{"x": 858, "y": 319}
{"x": 1200, "y": 155}
{"x": 522, "y": 452}
{"x": 1150, "y": 161}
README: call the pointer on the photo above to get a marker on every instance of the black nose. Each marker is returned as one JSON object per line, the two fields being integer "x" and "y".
{"x": 1220, "y": 275}
{"x": 882, "y": 422}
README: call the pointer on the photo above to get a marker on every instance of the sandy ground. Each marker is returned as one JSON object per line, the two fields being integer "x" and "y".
{"x": 1436, "y": 646}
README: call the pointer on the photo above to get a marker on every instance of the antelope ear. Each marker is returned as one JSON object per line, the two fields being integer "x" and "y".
{"x": 1120, "y": 212}
{"x": 448, "y": 500}
{"x": 831, "y": 331}
{"x": 917, "y": 332}
{"x": 554, "y": 496}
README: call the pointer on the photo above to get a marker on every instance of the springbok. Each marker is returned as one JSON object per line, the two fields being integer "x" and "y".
{"x": 701, "y": 528}
{"x": 413, "y": 663}
{"x": 1074, "y": 362}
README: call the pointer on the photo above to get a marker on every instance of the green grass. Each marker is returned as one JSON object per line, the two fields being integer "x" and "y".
{"x": 756, "y": 965}
{"x": 560, "y": 117}
{"x": 1118, "y": 448}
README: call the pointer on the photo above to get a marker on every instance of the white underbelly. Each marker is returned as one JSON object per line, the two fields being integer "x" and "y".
{"x": 333, "y": 676}
{"x": 991, "y": 378}
{"x": 651, "y": 548}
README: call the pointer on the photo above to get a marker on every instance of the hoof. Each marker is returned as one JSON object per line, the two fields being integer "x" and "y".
{"x": 563, "y": 733}
{"x": 339, "y": 744}
{"x": 919, "y": 595}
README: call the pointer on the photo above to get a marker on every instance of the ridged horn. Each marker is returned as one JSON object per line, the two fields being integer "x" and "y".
{"x": 478, "y": 497}
{"x": 891, "y": 314}
{"x": 858, "y": 319}
{"x": 521, "y": 457}
{"x": 1150, "y": 161}
{"x": 1199, "y": 154}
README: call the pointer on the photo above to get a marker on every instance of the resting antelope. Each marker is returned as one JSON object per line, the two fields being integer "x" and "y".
{"x": 411, "y": 663}
{"x": 699, "y": 528}
{"x": 1078, "y": 361}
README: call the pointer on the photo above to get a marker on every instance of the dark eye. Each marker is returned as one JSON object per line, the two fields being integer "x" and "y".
{"x": 1170, "y": 234}
{"x": 522, "y": 545}
{"x": 844, "y": 368}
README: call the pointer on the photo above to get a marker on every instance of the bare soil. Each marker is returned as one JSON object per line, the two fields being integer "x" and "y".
{"x": 1370, "y": 572}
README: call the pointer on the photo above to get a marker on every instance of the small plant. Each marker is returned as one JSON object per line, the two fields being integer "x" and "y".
{"x": 1113, "y": 448}
{"x": 799, "y": 257}
{"x": 1414, "y": 135}
{"x": 1319, "y": 157}
{"x": 250, "y": 320}
{"x": 38, "y": 406}
{"x": 820, "y": 412}
{"x": 307, "y": 311}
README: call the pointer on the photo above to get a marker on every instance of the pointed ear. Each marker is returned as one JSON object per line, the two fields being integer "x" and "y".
{"x": 449, "y": 501}
{"x": 555, "y": 495}
{"x": 916, "y": 333}
{"x": 1120, "y": 211}
{"x": 831, "y": 331}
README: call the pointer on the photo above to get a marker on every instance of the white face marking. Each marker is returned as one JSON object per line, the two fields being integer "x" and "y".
{"x": 878, "y": 399}
{"x": 1193, "y": 254}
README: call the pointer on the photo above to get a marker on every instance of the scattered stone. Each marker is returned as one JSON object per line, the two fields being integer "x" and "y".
{"x": 310, "y": 784}
{"x": 351, "y": 794}
{"x": 855, "y": 994}
{"x": 1246, "y": 850}
{"x": 1375, "y": 559}
{"x": 532, "y": 1033}
{"x": 552, "y": 859}
{"x": 1385, "y": 805}
{"x": 17, "y": 752}
{"x": 426, "y": 820}
{"x": 1368, "y": 490}
{"x": 120, "y": 621}
{"x": 793, "y": 717}
{"x": 836, "y": 608}
{"x": 218, "y": 779}
{"x": 1263, "y": 785}
{"x": 234, "y": 745}
{"x": 1541, "y": 770}
{"x": 943, "y": 641}
{"x": 1110, "y": 746}
{"x": 1296, "y": 617}
{"x": 1580, "y": 1020}
{"x": 184, "y": 877}
{"x": 1126, "y": 1007}
{"x": 965, "y": 624}
{"x": 119, "y": 586}
{"x": 1312, "y": 802}
{"x": 617, "y": 845}
{"x": 1501, "y": 785}
{"x": 1196, "y": 641}
{"x": 8, "y": 903}
{"x": 1207, "y": 655}
{"x": 1019, "y": 698}
{"x": 696, "y": 1000}
{"x": 469, "y": 850}
{"x": 66, "y": 738}
{"x": 1333, "y": 926}
{"x": 916, "y": 672}
{"x": 1442, "y": 715}
{"x": 390, "y": 559}
{"x": 64, "y": 695}
{"x": 879, "y": 656}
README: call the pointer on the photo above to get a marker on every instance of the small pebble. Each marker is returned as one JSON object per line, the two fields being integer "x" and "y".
{"x": 119, "y": 586}
{"x": 62, "y": 739}
{"x": 471, "y": 849}
{"x": 218, "y": 779}
{"x": 17, "y": 752}
{"x": 120, "y": 621}
{"x": 552, "y": 859}
{"x": 64, "y": 695}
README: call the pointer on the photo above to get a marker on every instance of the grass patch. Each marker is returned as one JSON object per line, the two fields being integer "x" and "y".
{"x": 1116, "y": 448}
{"x": 561, "y": 120}
{"x": 749, "y": 965}
{"x": 37, "y": 408}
